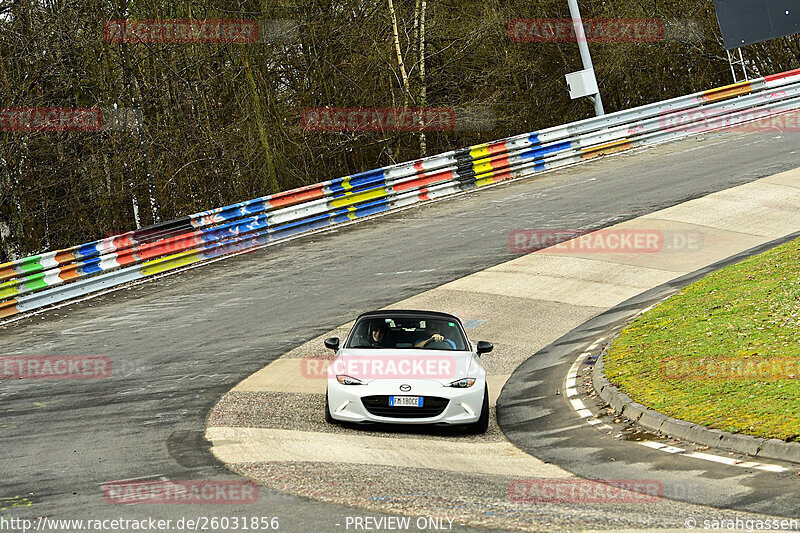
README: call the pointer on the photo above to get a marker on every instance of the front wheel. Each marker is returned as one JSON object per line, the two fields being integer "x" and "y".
{"x": 480, "y": 427}
{"x": 328, "y": 418}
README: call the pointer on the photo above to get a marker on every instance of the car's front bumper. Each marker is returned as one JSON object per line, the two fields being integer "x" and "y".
{"x": 463, "y": 405}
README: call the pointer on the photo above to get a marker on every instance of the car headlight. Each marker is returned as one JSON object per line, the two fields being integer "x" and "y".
{"x": 463, "y": 383}
{"x": 347, "y": 380}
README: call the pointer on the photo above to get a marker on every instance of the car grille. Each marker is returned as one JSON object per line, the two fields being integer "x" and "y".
{"x": 379, "y": 406}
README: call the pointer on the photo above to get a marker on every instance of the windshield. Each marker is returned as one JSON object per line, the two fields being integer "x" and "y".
{"x": 423, "y": 333}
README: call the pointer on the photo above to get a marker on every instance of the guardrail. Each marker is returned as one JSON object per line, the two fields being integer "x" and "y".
{"x": 53, "y": 277}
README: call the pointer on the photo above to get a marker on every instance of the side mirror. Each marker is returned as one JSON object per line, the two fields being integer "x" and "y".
{"x": 485, "y": 347}
{"x": 332, "y": 343}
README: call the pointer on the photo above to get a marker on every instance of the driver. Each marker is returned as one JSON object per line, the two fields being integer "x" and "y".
{"x": 435, "y": 329}
{"x": 377, "y": 335}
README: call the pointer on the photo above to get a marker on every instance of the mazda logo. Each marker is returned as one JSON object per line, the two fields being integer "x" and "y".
{"x": 405, "y": 388}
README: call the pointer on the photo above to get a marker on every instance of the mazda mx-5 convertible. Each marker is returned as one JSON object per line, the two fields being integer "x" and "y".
{"x": 408, "y": 367}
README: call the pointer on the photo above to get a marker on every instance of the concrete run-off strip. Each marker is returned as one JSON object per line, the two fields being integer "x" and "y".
{"x": 270, "y": 427}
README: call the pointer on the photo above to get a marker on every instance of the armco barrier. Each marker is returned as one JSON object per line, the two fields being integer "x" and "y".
{"x": 53, "y": 277}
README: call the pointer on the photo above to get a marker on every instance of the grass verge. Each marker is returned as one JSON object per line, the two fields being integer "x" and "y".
{"x": 724, "y": 352}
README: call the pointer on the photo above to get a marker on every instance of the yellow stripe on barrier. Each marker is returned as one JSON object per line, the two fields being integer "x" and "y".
{"x": 171, "y": 261}
{"x": 9, "y": 288}
{"x": 483, "y": 168}
{"x": 359, "y": 197}
{"x": 484, "y": 181}
{"x": 609, "y": 148}
{"x": 7, "y": 271}
{"x": 479, "y": 151}
{"x": 729, "y": 91}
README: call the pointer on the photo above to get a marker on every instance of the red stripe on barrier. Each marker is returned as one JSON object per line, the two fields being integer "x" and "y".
{"x": 787, "y": 74}
{"x": 296, "y": 196}
{"x": 501, "y": 176}
{"x": 68, "y": 272}
{"x": 497, "y": 147}
{"x": 64, "y": 256}
{"x": 424, "y": 179}
{"x": 8, "y": 308}
{"x": 7, "y": 272}
{"x": 123, "y": 241}
{"x": 127, "y": 257}
{"x": 500, "y": 162}
{"x": 171, "y": 245}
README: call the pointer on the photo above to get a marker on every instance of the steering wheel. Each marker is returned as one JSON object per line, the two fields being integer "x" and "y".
{"x": 438, "y": 345}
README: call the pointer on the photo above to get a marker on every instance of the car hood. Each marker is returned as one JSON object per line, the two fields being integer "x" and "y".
{"x": 443, "y": 366}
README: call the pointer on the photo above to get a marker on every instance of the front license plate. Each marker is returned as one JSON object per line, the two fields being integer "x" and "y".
{"x": 405, "y": 401}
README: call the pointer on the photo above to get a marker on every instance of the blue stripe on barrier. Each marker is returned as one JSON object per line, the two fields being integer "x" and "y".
{"x": 88, "y": 250}
{"x": 236, "y": 246}
{"x": 91, "y": 267}
{"x": 365, "y": 186}
{"x": 300, "y": 226}
{"x": 542, "y": 151}
{"x": 370, "y": 176}
{"x": 232, "y": 229}
{"x": 370, "y": 208}
{"x": 364, "y": 180}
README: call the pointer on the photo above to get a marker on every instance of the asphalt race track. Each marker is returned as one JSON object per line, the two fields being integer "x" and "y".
{"x": 179, "y": 343}
{"x": 598, "y": 452}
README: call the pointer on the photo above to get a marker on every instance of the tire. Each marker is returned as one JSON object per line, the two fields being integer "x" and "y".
{"x": 328, "y": 418}
{"x": 480, "y": 427}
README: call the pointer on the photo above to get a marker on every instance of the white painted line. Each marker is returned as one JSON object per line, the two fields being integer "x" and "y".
{"x": 584, "y": 413}
{"x": 662, "y": 447}
{"x": 772, "y": 468}
{"x": 712, "y": 458}
{"x": 672, "y": 449}
{"x": 571, "y": 392}
{"x": 595, "y": 343}
{"x": 594, "y": 422}
{"x": 570, "y": 383}
{"x": 577, "y": 405}
{"x": 605, "y": 426}
{"x": 572, "y": 374}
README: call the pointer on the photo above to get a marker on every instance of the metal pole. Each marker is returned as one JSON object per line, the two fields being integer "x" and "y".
{"x": 583, "y": 46}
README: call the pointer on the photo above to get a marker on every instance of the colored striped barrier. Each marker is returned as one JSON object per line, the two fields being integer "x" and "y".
{"x": 53, "y": 277}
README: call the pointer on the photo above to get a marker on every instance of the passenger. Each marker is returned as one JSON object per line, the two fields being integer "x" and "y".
{"x": 435, "y": 329}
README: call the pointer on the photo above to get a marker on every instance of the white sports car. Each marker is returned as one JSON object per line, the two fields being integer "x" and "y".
{"x": 408, "y": 367}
